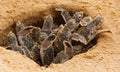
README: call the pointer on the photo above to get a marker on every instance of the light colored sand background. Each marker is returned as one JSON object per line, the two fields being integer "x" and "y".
{"x": 103, "y": 57}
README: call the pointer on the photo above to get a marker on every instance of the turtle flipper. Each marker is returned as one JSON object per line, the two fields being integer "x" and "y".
{"x": 64, "y": 13}
{"x": 47, "y": 51}
{"x": 35, "y": 53}
{"x": 26, "y": 52}
{"x": 65, "y": 54}
{"x": 28, "y": 42}
{"x": 15, "y": 48}
{"x": 68, "y": 48}
{"x": 59, "y": 57}
{"x": 78, "y": 37}
{"x": 11, "y": 39}
{"x": 103, "y": 30}
{"x": 94, "y": 23}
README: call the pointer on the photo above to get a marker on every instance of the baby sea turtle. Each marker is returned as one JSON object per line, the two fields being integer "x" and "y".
{"x": 47, "y": 50}
{"x": 11, "y": 39}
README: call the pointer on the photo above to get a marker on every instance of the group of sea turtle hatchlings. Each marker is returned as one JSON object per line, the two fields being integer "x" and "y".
{"x": 52, "y": 43}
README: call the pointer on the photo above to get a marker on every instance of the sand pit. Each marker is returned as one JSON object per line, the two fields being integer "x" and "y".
{"x": 103, "y": 57}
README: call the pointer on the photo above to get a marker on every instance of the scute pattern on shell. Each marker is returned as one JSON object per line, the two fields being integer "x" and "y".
{"x": 50, "y": 44}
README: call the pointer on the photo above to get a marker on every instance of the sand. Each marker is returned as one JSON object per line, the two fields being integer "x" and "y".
{"x": 103, "y": 57}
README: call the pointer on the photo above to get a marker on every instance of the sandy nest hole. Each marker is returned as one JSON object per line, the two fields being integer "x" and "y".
{"x": 104, "y": 56}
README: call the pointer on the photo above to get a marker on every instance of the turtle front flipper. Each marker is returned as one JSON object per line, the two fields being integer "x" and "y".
{"x": 103, "y": 30}
{"x": 11, "y": 39}
{"x": 47, "y": 51}
{"x": 47, "y": 25}
{"x": 59, "y": 57}
{"x": 65, "y": 14}
{"x": 78, "y": 37}
{"x": 28, "y": 42}
{"x": 16, "y": 48}
{"x": 65, "y": 54}
{"x": 68, "y": 48}
{"x": 35, "y": 34}
{"x": 95, "y": 23}
{"x": 35, "y": 53}
{"x": 23, "y": 33}
{"x": 27, "y": 52}
{"x": 12, "y": 43}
